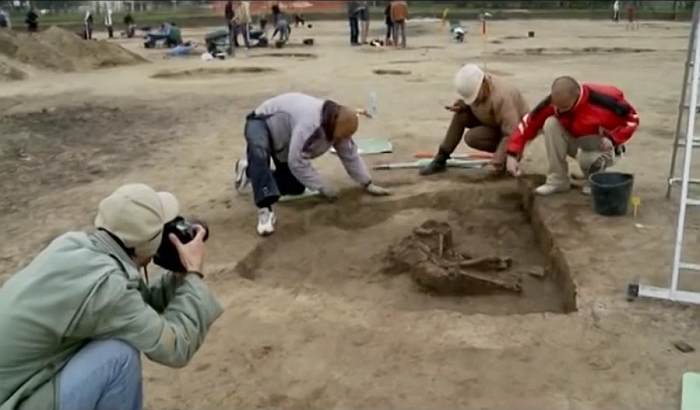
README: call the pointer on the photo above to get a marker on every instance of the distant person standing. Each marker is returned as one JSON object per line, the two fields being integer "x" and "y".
{"x": 109, "y": 23}
{"x": 616, "y": 11}
{"x": 353, "y": 19}
{"x": 389, "y": 24}
{"x": 399, "y": 15}
{"x": 282, "y": 27}
{"x": 5, "y": 20}
{"x": 632, "y": 23}
{"x": 32, "y": 20}
{"x": 130, "y": 25}
{"x": 243, "y": 20}
{"x": 262, "y": 20}
{"x": 363, "y": 15}
{"x": 229, "y": 15}
{"x": 89, "y": 24}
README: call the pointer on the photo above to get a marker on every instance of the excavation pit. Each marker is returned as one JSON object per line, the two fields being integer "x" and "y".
{"x": 296, "y": 56}
{"x": 568, "y": 51}
{"x": 209, "y": 72}
{"x": 345, "y": 249}
{"x": 391, "y": 72}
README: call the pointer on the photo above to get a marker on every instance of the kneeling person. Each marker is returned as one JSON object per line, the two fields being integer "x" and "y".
{"x": 291, "y": 129}
{"x": 591, "y": 122}
{"x": 74, "y": 321}
{"x": 489, "y": 111}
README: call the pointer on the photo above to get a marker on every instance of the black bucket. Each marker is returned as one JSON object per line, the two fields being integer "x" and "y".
{"x": 611, "y": 192}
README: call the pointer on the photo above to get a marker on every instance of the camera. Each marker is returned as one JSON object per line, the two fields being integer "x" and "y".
{"x": 167, "y": 256}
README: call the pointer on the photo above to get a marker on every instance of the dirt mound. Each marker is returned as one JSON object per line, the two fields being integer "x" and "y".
{"x": 9, "y": 73}
{"x": 429, "y": 257}
{"x": 61, "y": 50}
{"x": 210, "y": 72}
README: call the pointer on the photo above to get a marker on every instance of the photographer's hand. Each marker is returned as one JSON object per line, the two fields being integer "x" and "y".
{"x": 191, "y": 253}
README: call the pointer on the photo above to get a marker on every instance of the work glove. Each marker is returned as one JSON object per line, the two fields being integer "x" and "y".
{"x": 328, "y": 193}
{"x": 376, "y": 190}
{"x": 513, "y": 166}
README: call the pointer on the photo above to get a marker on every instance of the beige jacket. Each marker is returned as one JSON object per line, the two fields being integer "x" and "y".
{"x": 243, "y": 13}
{"x": 502, "y": 109}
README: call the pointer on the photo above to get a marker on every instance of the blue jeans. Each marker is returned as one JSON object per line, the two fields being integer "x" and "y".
{"x": 284, "y": 31}
{"x": 103, "y": 375}
{"x": 244, "y": 30}
{"x": 267, "y": 185}
{"x": 354, "y": 30}
{"x": 232, "y": 39}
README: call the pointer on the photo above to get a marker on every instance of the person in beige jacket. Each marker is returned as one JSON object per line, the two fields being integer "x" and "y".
{"x": 242, "y": 20}
{"x": 489, "y": 112}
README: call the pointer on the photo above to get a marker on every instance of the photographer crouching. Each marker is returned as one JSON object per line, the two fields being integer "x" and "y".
{"x": 74, "y": 321}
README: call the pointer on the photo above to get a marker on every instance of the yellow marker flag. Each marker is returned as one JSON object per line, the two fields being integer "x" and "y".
{"x": 636, "y": 202}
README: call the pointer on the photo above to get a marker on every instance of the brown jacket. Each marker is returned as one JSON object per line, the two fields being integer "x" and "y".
{"x": 399, "y": 11}
{"x": 502, "y": 109}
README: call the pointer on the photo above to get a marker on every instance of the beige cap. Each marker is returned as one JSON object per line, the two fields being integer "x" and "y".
{"x": 136, "y": 214}
{"x": 468, "y": 81}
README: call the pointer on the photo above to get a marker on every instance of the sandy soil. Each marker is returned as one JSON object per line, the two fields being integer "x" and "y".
{"x": 316, "y": 325}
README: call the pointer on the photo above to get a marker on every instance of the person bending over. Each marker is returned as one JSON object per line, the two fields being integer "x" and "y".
{"x": 291, "y": 130}
{"x": 489, "y": 111}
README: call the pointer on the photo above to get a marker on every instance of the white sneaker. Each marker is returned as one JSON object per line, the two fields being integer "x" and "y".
{"x": 241, "y": 181}
{"x": 586, "y": 189}
{"x": 266, "y": 222}
{"x": 550, "y": 189}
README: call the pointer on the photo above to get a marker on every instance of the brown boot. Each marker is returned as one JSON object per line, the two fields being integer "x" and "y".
{"x": 437, "y": 165}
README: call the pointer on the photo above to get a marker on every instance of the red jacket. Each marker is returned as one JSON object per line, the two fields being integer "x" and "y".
{"x": 601, "y": 109}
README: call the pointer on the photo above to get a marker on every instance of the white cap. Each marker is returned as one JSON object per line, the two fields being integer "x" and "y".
{"x": 468, "y": 82}
{"x": 136, "y": 214}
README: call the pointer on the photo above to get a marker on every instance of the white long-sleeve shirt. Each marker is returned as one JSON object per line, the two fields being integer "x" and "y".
{"x": 7, "y": 18}
{"x": 108, "y": 18}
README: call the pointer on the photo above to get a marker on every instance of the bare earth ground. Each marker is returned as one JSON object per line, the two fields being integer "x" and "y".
{"x": 319, "y": 326}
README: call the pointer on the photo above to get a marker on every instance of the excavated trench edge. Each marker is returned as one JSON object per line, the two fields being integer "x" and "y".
{"x": 556, "y": 261}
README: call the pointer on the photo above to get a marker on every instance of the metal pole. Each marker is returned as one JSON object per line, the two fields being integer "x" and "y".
{"x": 688, "y": 155}
{"x": 681, "y": 104}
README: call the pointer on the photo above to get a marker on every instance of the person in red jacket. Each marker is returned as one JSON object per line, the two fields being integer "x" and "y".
{"x": 584, "y": 120}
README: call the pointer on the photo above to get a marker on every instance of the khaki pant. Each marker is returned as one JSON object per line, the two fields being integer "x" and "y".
{"x": 399, "y": 33}
{"x": 560, "y": 144}
{"x": 364, "y": 31}
{"x": 477, "y": 136}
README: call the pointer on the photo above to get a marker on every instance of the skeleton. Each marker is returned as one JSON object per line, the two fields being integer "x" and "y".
{"x": 429, "y": 257}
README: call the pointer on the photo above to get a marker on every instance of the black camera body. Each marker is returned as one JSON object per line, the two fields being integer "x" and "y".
{"x": 167, "y": 256}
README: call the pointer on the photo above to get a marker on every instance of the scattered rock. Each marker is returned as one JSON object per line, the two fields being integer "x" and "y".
{"x": 537, "y": 272}
{"x": 683, "y": 346}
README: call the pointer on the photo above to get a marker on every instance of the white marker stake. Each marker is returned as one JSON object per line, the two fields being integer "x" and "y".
{"x": 372, "y": 104}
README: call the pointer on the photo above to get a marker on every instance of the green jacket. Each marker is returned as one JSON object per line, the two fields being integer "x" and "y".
{"x": 83, "y": 287}
{"x": 175, "y": 35}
